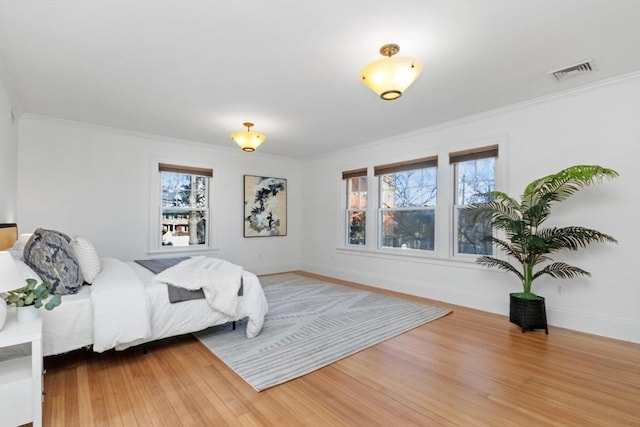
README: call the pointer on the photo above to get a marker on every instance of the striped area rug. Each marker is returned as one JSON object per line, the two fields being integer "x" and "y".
{"x": 311, "y": 324}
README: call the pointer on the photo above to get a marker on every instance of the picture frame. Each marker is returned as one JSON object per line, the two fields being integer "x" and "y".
{"x": 265, "y": 206}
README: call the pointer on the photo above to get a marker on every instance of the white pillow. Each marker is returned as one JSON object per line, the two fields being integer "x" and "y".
{"x": 27, "y": 272}
{"x": 87, "y": 257}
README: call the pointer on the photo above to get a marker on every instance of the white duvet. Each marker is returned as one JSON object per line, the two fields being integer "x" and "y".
{"x": 169, "y": 319}
{"x": 219, "y": 279}
{"x": 124, "y": 307}
{"x": 120, "y": 311}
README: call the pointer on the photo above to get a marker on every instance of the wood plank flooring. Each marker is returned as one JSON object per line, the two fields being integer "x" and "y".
{"x": 469, "y": 368}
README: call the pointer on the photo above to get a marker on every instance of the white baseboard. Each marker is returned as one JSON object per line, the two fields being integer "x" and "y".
{"x": 583, "y": 321}
{"x": 272, "y": 268}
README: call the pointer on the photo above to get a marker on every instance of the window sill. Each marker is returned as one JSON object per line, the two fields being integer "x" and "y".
{"x": 410, "y": 256}
{"x": 182, "y": 251}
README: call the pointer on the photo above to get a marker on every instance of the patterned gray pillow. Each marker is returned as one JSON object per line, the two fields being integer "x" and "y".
{"x": 49, "y": 254}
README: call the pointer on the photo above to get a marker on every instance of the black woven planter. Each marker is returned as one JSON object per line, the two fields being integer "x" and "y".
{"x": 529, "y": 314}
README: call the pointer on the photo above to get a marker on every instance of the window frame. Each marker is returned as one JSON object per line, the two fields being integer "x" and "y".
{"x": 156, "y": 208}
{"x": 445, "y": 241}
{"x": 455, "y": 158}
{"x": 381, "y": 171}
{"x": 346, "y": 177}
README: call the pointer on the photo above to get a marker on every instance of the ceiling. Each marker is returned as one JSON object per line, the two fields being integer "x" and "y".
{"x": 196, "y": 70}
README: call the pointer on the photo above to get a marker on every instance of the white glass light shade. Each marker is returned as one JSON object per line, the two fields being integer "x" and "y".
{"x": 390, "y": 77}
{"x": 248, "y": 140}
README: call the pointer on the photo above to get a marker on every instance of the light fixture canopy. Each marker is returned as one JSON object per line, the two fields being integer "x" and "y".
{"x": 247, "y": 139}
{"x": 391, "y": 76}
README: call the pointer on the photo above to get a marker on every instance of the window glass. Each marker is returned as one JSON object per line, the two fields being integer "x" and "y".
{"x": 475, "y": 180}
{"x": 184, "y": 208}
{"x": 407, "y": 208}
{"x": 408, "y": 229}
{"x": 356, "y": 210}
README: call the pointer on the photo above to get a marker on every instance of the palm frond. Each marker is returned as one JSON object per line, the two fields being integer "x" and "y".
{"x": 505, "y": 199}
{"x": 488, "y": 261}
{"x": 542, "y": 193}
{"x": 507, "y": 248}
{"x": 572, "y": 238}
{"x": 503, "y": 216}
{"x": 537, "y": 208}
{"x": 495, "y": 210}
{"x": 566, "y": 182}
{"x": 539, "y": 259}
{"x": 561, "y": 270}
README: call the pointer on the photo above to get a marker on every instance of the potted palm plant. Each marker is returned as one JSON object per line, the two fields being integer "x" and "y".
{"x": 530, "y": 245}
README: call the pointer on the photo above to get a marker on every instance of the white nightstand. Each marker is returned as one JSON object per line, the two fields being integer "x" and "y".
{"x": 21, "y": 378}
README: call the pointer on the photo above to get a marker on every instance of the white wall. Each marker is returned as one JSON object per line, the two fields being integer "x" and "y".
{"x": 595, "y": 125}
{"x": 94, "y": 181}
{"x": 8, "y": 158}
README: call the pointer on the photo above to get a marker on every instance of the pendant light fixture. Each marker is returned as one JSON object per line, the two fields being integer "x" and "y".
{"x": 389, "y": 77}
{"x": 248, "y": 140}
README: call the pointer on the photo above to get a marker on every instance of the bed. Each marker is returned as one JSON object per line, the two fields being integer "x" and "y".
{"x": 100, "y": 317}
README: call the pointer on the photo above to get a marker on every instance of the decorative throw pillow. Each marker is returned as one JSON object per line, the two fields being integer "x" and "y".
{"x": 49, "y": 254}
{"x": 87, "y": 257}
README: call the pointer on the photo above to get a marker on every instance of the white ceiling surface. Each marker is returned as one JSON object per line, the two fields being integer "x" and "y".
{"x": 196, "y": 70}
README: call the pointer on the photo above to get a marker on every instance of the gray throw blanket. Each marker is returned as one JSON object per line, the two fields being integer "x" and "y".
{"x": 176, "y": 294}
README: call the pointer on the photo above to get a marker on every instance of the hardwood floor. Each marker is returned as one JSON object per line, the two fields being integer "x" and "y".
{"x": 469, "y": 368}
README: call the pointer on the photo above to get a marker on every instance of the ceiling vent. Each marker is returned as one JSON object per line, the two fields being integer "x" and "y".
{"x": 573, "y": 70}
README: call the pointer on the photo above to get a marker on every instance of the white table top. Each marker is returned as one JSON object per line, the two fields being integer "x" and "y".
{"x": 14, "y": 332}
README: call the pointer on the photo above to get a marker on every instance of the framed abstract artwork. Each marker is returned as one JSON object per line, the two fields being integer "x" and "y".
{"x": 265, "y": 206}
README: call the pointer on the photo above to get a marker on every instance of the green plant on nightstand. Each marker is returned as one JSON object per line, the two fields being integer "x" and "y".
{"x": 33, "y": 294}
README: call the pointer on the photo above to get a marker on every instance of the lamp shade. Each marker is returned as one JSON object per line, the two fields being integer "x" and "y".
{"x": 10, "y": 277}
{"x": 390, "y": 77}
{"x": 247, "y": 139}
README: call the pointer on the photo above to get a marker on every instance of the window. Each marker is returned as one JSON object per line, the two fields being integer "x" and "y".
{"x": 356, "y": 213}
{"x": 184, "y": 205}
{"x": 408, "y": 193}
{"x": 475, "y": 179}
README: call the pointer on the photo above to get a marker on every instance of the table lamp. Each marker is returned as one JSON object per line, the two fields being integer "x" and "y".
{"x": 10, "y": 279}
